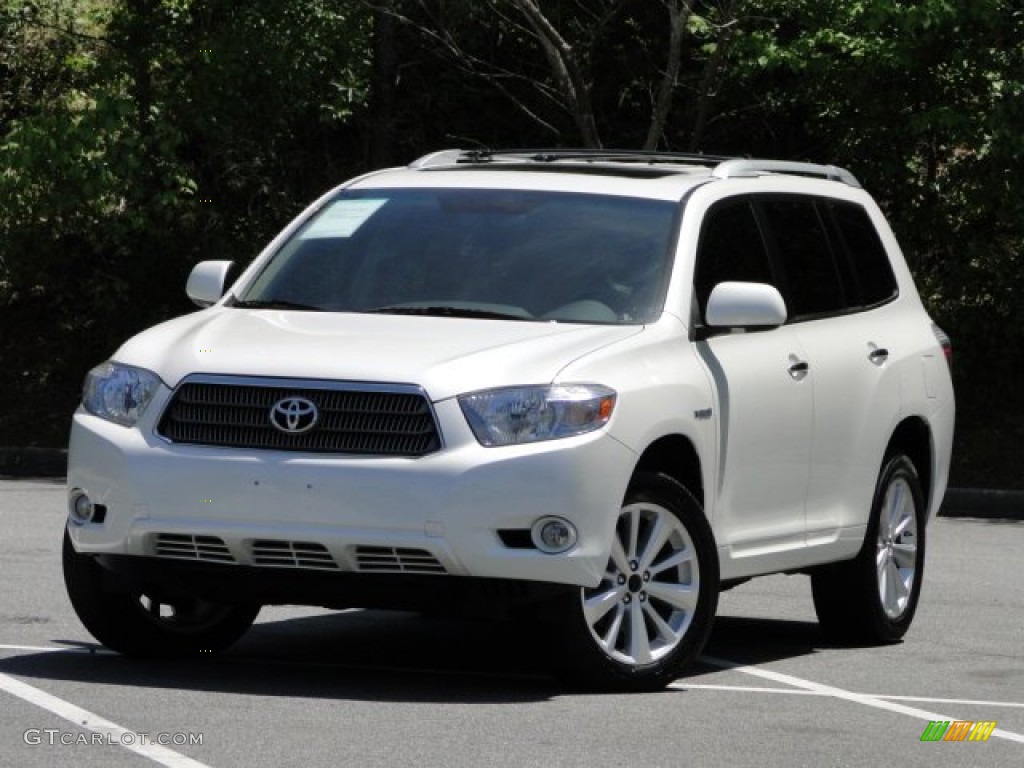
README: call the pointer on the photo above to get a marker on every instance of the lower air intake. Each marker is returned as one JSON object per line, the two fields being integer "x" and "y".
{"x": 186, "y": 546}
{"x": 292, "y": 554}
{"x": 397, "y": 560}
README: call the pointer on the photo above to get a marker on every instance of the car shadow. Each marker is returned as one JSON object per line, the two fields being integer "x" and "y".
{"x": 387, "y": 657}
{"x": 744, "y": 641}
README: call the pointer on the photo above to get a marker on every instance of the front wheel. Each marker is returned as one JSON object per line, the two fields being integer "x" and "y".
{"x": 653, "y": 610}
{"x": 873, "y": 597}
{"x": 148, "y": 623}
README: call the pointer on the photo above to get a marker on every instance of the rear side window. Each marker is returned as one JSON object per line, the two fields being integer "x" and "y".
{"x": 868, "y": 259}
{"x": 731, "y": 249}
{"x": 811, "y": 274}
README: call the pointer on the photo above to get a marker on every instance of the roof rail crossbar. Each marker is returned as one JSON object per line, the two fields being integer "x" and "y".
{"x": 632, "y": 155}
{"x": 723, "y": 167}
{"x": 469, "y": 156}
{"x": 742, "y": 167}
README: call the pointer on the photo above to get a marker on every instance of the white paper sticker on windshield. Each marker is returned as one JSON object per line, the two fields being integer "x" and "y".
{"x": 342, "y": 218}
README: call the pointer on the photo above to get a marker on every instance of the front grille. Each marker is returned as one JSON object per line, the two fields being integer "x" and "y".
{"x": 185, "y": 546}
{"x": 292, "y": 554}
{"x": 350, "y": 419}
{"x": 397, "y": 560}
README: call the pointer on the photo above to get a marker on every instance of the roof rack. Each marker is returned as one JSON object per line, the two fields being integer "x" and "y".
{"x": 480, "y": 156}
{"x": 434, "y": 159}
{"x": 744, "y": 167}
{"x": 722, "y": 167}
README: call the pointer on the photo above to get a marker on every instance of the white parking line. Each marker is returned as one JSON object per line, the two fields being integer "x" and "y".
{"x": 682, "y": 684}
{"x": 83, "y": 718}
{"x": 963, "y": 702}
{"x": 840, "y": 693}
{"x": 52, "y": 648}
{"x": 798, "y": 687}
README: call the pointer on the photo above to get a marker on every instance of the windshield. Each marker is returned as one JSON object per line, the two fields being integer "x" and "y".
{"x": 523, "y": 255}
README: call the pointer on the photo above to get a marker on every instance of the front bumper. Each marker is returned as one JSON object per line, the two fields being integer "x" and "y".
{"x": 351, "y": 514}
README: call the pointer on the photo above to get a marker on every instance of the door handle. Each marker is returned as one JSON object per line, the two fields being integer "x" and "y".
{"x": 799, "y": 370}
{"x": 878, "y": 355}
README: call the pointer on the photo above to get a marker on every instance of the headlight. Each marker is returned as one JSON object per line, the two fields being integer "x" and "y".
{"x": 528, "y": 414}
{"x": 118, "y": 393}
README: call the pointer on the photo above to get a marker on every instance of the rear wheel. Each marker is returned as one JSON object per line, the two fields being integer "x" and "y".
{"x": 149, "y": 623}
{"x": 873, "y": 597}
{"x": 653, "y": 610}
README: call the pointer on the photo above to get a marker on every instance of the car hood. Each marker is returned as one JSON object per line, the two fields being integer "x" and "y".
{"x": 444, "y": 355}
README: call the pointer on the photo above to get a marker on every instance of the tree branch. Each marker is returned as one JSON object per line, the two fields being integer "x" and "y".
{"x": 679, "y": 16}
{"x": 35, "y": 23}
{"x": 447, "y": 45}
{"x": 712, "y": 71}
{"x": 565, "y": 66}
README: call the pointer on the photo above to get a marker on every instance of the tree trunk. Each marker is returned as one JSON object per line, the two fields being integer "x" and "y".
{"x": 383, "y": 81}
{"x": 567, "y": 69}
{"x": 678, "y": 16}
{"x": 712, "y": 72}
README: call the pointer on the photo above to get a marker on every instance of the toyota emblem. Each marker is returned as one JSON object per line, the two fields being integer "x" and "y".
{"x": 294, "y": 415}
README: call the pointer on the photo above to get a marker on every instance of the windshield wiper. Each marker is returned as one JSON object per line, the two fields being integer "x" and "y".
{"x": 275, "y": 304}
{"x": 440, "y": 311}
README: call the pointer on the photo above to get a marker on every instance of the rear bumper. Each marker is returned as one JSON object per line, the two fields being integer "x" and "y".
{"x": 942, "y": 424}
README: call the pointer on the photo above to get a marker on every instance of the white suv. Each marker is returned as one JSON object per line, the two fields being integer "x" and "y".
{"x": 594, "y": 387}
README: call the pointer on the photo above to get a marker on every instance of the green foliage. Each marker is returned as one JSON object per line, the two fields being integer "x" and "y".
{"x": 923, "y": 101}
{"x": 140, "y": 136}
{"x": 44, "y": 51}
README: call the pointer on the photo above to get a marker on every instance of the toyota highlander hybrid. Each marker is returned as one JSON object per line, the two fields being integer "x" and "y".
{"x": 588, "y": 389}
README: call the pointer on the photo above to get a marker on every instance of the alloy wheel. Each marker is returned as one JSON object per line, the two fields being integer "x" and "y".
{"x": 896, "y": 554}
{"x": 645, "y": 603}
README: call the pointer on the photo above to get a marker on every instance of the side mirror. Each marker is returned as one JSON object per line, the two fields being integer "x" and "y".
{"x": 205, "y": 283}
{"x": 745, "y": 305}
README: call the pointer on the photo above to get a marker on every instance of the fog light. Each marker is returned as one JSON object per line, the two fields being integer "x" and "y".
{"x": 82, "y": 508}
{"x": 553, "y": 535}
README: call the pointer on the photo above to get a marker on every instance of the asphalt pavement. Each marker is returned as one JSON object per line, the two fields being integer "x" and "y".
{"x": 315, "y": 688}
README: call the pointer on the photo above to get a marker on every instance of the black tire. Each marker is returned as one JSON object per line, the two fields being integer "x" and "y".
{"x": 620, "y": 646}
{"x": 149, "y": 625}
{"x": 868, "y": 599}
